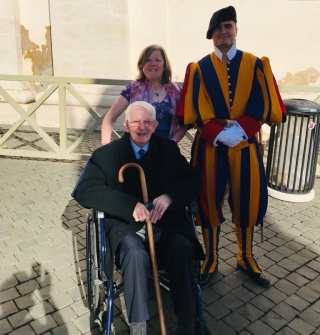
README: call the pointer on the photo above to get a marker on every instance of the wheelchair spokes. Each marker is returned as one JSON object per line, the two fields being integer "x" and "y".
{"x": 95, "y": 244}
{"x": 93, "y": 281}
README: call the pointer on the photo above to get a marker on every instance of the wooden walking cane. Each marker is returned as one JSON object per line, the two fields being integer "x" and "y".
{"x": 151, "y": 242}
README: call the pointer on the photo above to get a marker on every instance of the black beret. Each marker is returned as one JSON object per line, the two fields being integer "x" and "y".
{"x": 224, "y": 14}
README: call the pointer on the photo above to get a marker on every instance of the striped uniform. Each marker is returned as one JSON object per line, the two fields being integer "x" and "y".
{"x": 214, "y": 94}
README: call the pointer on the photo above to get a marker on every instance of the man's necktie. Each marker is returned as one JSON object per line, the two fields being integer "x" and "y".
{"x": 141, "y": 153}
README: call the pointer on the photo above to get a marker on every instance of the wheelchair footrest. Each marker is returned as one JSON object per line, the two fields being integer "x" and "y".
{"x": 163, "y": 280}
{"x": 97, "y": 282}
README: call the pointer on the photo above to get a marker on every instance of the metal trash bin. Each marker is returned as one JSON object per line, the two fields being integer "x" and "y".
{"x": 293, "y": 152}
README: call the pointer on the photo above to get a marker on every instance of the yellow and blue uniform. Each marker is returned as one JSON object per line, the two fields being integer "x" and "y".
{"x": 214, "y": 94}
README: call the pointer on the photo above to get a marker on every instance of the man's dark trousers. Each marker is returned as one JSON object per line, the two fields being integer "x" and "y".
{"x": 175, "y": 254}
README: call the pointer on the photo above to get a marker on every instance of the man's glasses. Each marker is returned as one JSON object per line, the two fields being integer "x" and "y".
{"x": 146, "y": 123}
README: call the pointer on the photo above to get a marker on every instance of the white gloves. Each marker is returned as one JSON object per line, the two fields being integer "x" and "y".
{"x": 231, "y": 136}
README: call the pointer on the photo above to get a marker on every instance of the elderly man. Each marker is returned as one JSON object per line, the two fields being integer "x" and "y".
{"x": 172, "y": 185}
{"x": 227, "y": 96}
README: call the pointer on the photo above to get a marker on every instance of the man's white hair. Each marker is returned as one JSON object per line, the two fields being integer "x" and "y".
{"x": 140, "y": 104}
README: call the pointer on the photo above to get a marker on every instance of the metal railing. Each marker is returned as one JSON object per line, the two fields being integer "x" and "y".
{"x": 59, "y": 148}
{"x": 58, "y": 145}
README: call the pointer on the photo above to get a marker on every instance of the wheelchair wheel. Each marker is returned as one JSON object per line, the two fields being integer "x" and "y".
{"x": 93, "y": 282}
{"x": 104, "y": 331}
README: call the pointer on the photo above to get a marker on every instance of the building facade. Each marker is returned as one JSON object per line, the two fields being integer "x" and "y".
{"x": 103, "y": 38}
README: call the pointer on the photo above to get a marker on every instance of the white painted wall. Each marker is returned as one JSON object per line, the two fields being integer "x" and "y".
{"x": 10, "y": 50}
{"x": 104, "y": 38}
{"x": 89, "y": 38}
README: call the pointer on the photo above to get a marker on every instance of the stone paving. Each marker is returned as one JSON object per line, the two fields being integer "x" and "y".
{"x": 43, "y": 277}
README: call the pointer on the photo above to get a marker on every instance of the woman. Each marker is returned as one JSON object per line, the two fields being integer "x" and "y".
{"x": 152, "y": 85}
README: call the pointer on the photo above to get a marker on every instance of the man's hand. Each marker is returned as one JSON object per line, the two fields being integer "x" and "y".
{"x": 161, "y": 204}
{"x": 228, "y": 138}
{"x": 140, "y": 212}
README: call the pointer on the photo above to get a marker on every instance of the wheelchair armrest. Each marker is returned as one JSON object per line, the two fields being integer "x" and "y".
{"x": 100, "y": 215}
{"x": 192, "y": 207}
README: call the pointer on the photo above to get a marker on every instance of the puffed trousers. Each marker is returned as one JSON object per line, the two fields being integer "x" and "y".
{"x": 175, "y": 255}
{"x": 240, "y": 172}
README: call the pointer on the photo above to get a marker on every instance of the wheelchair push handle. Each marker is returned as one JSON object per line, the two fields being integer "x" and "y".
{"x": 151, "y": 240}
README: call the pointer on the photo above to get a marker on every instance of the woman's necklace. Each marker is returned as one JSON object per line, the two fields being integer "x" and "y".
{"x": 157, "y": 94}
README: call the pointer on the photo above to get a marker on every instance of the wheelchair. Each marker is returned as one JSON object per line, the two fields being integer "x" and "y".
{"x": 97, "y": 279}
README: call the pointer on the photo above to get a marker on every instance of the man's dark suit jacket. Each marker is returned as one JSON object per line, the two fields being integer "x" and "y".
{"x": 166, "y": 171}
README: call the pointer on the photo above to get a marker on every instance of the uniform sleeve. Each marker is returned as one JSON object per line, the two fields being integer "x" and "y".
{"x": 278, "y": 110}
{"x": 265, "y": 103}
{"x": 193, "y": 100}
{"x": 185, "y": 111}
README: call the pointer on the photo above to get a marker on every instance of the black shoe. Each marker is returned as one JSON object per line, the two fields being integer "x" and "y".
{"x": 185, "y": 325}
{"x": 206, "y": 279}
{"x": 205, "y": 328}
{"x": 260, "y": 278}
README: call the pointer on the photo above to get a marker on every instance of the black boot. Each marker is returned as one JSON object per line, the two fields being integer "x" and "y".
{"x": 210, "y": 264}
{"x": 245, "y": 258}
{"x": 186, "y": 325}
{"x": 205, "y": 328}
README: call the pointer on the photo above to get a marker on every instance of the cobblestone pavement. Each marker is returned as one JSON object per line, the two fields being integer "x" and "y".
{"x": 42, "y": 263}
